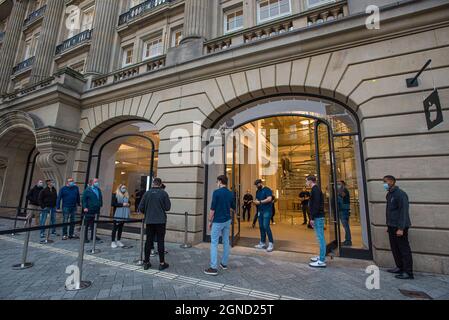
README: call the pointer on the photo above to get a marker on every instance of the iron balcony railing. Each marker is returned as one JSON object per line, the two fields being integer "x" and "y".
{"x": 35, "y": 15}
{"x": 140, "y": 9}
{"x": 73, "y": 41}
{"x": 23, "y": 65}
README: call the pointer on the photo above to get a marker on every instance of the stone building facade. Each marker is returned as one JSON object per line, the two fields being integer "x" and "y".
{"x": 72, "y": 70}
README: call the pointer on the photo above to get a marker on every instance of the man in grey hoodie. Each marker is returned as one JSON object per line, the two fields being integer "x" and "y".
{"x": 154, "y": 206}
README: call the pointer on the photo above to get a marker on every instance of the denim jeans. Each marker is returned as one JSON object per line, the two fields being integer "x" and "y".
{"x": 223, "y": 230}
{"x": 345, "y": 222}
{"x": 319, "y": 231}
{"x": 68, "y": 216}
{"x": 43, "y": 220}
{"x": 265, "y": 229}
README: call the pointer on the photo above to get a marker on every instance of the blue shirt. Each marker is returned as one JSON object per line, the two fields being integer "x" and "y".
{"x": 70, "y": 197}
{"x": 222, "y": 203}
{"x": 97, "y": 193}
{"x": 261, "y": 195}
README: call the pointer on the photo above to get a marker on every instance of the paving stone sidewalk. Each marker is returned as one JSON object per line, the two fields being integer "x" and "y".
{"x": 250, "y": 276}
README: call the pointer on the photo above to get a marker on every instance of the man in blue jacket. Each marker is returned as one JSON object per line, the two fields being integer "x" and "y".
{"x": 70, "y": 197}
{"x": 92, "y": 203}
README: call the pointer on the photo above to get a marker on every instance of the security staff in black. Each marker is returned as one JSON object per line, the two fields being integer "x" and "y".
{"x": 398, "y": 222}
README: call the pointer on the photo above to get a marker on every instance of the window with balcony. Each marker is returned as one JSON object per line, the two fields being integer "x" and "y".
{"x": 233, "y": 20}
{"x": 271, "y": 9}
{"x": 35, "y": 5}
{"x": 176, "y": 37}
{"x": 87, "y": 19}
{"x": 152, "y": 48}
{"x": 317, "y": 3}
{"x": 127, "y": 56}
{"x": 30, "y": 46}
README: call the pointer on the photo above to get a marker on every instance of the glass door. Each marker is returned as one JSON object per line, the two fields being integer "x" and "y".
{"x": 326, "y": 178}
{"x": 235, "y": 186}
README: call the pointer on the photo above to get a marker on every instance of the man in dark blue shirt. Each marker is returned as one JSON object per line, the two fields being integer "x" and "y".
{"x": 70, "y": 197}
{"x": 264, "y": 203}
{"x": 223, "y": 201}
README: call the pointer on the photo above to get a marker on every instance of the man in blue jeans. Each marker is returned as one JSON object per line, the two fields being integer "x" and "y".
{"x": 223, "y": 202}
{"x": 264, "y": 203}
{"x": 47, "y": 202}
{"x": 70, "y": 197}
{"x": 317, "y": 216}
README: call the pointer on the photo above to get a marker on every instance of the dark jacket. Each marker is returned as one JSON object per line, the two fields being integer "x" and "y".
{"x": 247, "y": 200}
{"x": 154, "y": 205}
{"x": 398, "y": 215}
{"x": 70, "y": 197}
{"x": 115, "y": 204}
{"x": 33, "y": 195}
{"x": 92, "y": 202}
{"x": 47, "y": 198}
{"x": 316, "y": 203}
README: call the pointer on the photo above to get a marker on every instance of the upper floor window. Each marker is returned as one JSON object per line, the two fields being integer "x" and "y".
{"x": 134, "y": 3}
{"x": 152, "y": 48}
{"x": 233, "y": 20}
{"x": 127, "y": 56}
{"x": 36, "y": 4}
{"x": 272, "y": 9}
{"x": 30, "y": 46}
{"x": 87, "y": 19}
{"x": 176, "y": 37}
{"x": 316, "y": 3}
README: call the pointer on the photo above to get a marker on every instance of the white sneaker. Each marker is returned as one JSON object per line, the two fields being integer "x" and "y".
{"x": 270, "y": 247}
{"x": 315, "y": 259}
{"x": 260, "y": 246}
{"x": 318, "y": 264}
{"x": 120, "y": 244}
{"x": 114, "y": 245}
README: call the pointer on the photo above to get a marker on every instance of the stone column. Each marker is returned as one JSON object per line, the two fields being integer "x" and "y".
{"x": 11, "y": 42}
{"x": 104, "y": 27}
{"x": 196, "y": 20}
{"x": 45, "y": 51}
{"x": 56, "y": 153}
{"x": 196, "y": 30}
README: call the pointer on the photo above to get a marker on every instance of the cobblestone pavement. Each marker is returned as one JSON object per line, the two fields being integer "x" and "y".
{"x": 251, "y": 275}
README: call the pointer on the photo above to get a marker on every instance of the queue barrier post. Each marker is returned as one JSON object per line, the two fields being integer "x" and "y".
{"x": 139, "y": 261}
{"x": 186, "y": 245}
{"x": 80, "y": 284}
{"x": 94, "y": 250}
{"x": 15, "y": 220}
{"x": 25, "y": 265}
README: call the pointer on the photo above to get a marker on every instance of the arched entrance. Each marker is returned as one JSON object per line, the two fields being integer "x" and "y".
{"x": 18, "y": 168}
{"x": 282, "y": 140}
{"x": 125, "y": 153}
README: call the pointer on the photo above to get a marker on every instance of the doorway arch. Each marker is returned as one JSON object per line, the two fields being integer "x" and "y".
{"x": 342, "y": 125}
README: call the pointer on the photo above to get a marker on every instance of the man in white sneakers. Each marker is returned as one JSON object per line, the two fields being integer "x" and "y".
{"x": 317, "y": 216}
{"x": 264, "y": 203}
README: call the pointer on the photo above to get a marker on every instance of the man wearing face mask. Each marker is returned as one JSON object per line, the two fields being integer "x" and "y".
{"x": 398, "y": 222}
{"x": 70, "y": 197}
{"x": 33, "y": 202}
{"x": 47, "y": 201}
{"x": 92, "y": 203}
{"x": 264, "y": 203}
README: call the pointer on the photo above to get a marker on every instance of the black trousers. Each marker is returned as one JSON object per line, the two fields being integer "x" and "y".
{"x": 305, "y": 212}
{"x": 89, "y": 221}
{"x": 117, "y": 230}
{"x": 153, "y": 230}
{"x": 245, "y": 210}
{"x": 400, "y": 248}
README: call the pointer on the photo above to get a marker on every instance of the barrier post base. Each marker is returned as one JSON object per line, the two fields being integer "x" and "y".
{"x": 94, "y": 251}
{"x": 186, "y": 246}
{"x": 138, "y": 262}
{"x": 83, "y": 285}
{"x": 48, "y": 241}
{"x": 22, "y": 266}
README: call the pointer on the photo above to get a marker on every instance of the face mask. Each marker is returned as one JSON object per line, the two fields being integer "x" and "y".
{"x": 40, "y": 185}
{"x": 71, "y": 184}
{"x": 339, "y": 186}
{"x": 123, "y": 190}
{"x": 386, "y": 187}
{"x": 96, "y": 184}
